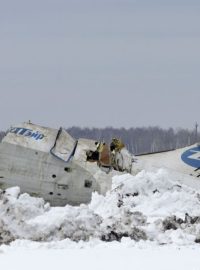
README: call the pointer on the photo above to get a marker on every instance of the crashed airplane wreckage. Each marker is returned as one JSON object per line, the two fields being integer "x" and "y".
{"x": 51, "y": 164}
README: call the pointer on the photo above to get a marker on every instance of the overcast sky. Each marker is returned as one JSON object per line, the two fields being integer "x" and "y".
{"x": 121, "y": 63}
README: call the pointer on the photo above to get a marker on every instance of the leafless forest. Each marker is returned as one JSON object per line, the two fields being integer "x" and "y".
{"x": 141, "y": 140}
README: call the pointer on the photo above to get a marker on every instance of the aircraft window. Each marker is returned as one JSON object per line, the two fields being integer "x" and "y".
{"x": 50, "y": 193}
{"x": 88, "y": 183}
{"x": 67, "y": 169}
{"x": 53, "y": 175}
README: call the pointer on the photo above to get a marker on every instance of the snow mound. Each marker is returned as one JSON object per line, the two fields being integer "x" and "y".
{"x": 151, "y": 206}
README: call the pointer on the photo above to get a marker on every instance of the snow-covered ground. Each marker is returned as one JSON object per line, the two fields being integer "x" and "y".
{"x": 147, "y": 221}
{"x": 103, "y": 256}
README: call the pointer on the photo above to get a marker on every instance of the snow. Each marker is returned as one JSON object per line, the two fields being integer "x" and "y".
{"x": 98, "y": 256}
{"x": 147, "y": 221}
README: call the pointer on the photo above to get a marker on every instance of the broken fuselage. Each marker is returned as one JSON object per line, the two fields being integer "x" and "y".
{"x": 51, "y": 164}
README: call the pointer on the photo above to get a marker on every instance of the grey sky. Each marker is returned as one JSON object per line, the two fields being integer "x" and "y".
{"x": 100, "y": 63}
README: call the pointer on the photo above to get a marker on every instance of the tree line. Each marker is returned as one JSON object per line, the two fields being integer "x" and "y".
{"x": 140, "y": 140}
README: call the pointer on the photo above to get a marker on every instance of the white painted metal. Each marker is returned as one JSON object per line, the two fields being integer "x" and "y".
{"x": 49, "y": 163}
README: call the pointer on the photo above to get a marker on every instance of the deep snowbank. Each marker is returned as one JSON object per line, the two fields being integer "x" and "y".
{"x": 151, "y": 206}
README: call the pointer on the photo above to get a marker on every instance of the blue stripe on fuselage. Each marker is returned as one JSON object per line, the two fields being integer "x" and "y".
{"x": 187, "y": 157}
